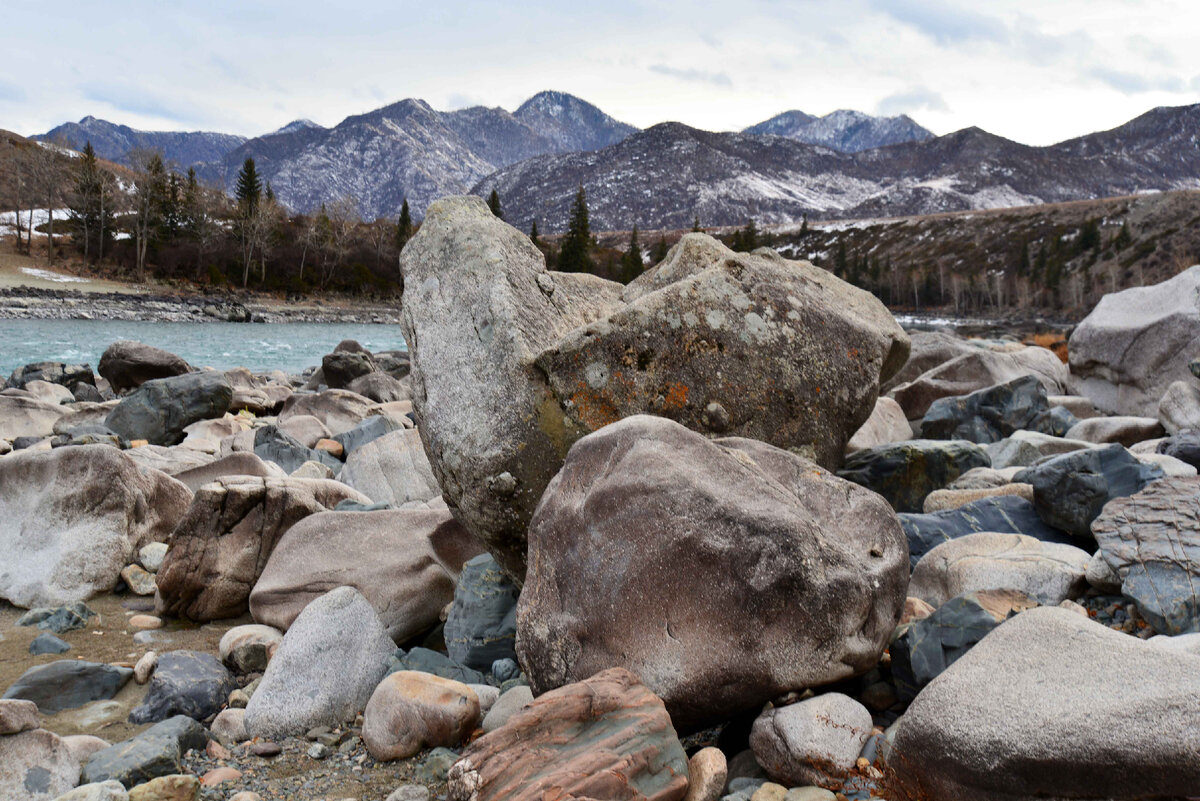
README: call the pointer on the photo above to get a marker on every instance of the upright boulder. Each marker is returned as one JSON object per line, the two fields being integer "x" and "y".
{"x": 405, "y": 562}
{"x": 222, "y": 544}
{"x": 72, "y": 518}
{"x": 511, "y": 364}
{"x": 482, "y": 624}
{"x": 605, "y": 737}
{"x": 1135, "y": 343}
{"x": 392, "y": 469}
{"x": 159, "y": 410}
{"x": 1151, "y": 539}
{"x": 325, "y": 670}
{"x": 724, "y": 573}
{"x": 1053, "y": 705}
{"x": 127, "y": 365}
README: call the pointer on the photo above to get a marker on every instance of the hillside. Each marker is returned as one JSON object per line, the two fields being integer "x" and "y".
{"x": 845, "y": 130}
{"x": 114, "y": 142}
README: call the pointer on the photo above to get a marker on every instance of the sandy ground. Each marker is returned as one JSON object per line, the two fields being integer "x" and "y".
{"x": 13, "y": 273}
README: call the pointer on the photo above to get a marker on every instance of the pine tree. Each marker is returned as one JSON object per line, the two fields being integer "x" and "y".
{"x": 270, "y": 193}
{"x": 533, "y": 235}
{"x": 90, "y": 206}
{"x": 631, "y": 262}
{"x": 804, "y": 226}
{"x": 493, "y": 202}
{"x": 404, "y": 227}
{"x": 574, "y": 255}
{"x": 249, "y": 187}
{"x": 659, "y": 253}
{"x": 1123, "y": 238}
{"x": 839, "y": 263}
{"x": 696, "y": 225}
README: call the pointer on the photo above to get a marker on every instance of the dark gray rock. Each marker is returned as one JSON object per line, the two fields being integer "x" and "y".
{"x": 482, "y": 625}
{"x": 930, "y": 645}
{"x": 60, "y": 619}
{"x": 160, "y": 409}
{"x": 185, "y": 683}
{"x": 1184, "y": 446}
{"x": 47, "y": 643}
{"x": 1070, "y": 490}
{"x": 1007, "y": 514}
{"x": 68, "y": 683}
{"x": 380, "y": 387}
{"x": 395, "y": 363}
{"x": 1152, "y": 540}
{"x": 71, "y": 376}
{"x": 905, "y": 472}
{"x": 343, "y": 366}
{"x": 991, "y": 414}
{"x": 438, "y": 664}
{"x": 368, "y": 430}
{"x": 86, "y": 393}
{"x": 158, "y": 751}
{"x": 505, "y": 670}
{"x": 127, "y": 365}
{"x": 273, "y": 445}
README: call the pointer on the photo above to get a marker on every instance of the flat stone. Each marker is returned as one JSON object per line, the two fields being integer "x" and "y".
{"x": 68, "y": 684}
{"x": 157, "y": 751}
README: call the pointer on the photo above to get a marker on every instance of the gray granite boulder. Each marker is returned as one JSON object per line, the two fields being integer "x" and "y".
{"x": 482, "y": 624}
{"x": 512, "y": 363}
{"x": 1151, "y": 540}
{"x": 1179, "y": 407}
{"x": 976, "y": 369}
{"x": 271, "y": 444}
{"x": 905, "y": 472}
{"x": 65, "y": 375}
{"x": 36, "y": 765}
{"x": 325, "y": 670}
{"x": 1025, "y": 448}
{"x": 159, "y": 410}
{"x": 1053, "y": 705}
{"x": 339, "y": 410}
{"x": 1070, "y": 490}
{"x": 657, "y": 549}
{"x": 1127, "y": 431}
{"x": 1002, "y": 513}
{"x": 392, "y": 469}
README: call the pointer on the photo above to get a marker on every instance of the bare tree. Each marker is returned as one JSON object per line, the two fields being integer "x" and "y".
{"x": 342, "y": 221}
{"x": 49, "y": 174}
{"x": 148, "y": 184}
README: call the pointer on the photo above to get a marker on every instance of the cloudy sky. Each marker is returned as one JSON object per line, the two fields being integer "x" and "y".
{"x": 1037, "y": 71}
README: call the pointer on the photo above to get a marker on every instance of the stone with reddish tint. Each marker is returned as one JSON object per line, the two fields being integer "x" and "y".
{"x": 410, "y": 711}
{"x": 605, "y": 737}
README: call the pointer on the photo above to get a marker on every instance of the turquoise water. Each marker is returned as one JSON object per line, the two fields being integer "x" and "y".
{"x": 259, "y": 346}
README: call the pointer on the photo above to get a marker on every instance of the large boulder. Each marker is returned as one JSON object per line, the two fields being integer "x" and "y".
{"x": 1127, "y": 431}
{"x": 410, "y": 711}
{"x": 1025, "y": 448}
{"x": 1070, "y": 490}
{"x": 127, "y": 365}
{"x": 1009, "y": 514}
{"x": 905, "y": 472}
{"x": 1151, "y": 539}
{"x": 222, "y": 544}
{"x": 26, "y": 416}
{"x": 991, "y": 414}
{"x": 392, "y": 469}
{"x": 1135, "y": 343}
{"x": 405, "y": 562}
{"x": 659, "y": 550}
{"x": 1179, "y": 407}
{"x": 1048, "y": 572}
{"x": 978, "y": 369}
{"x": 605, "y": 737}
{"x": 235, "y": 464}
{"x": 325, "y": 670}
{"x": 1052, "y": 705}
{"x": 189, "y": 683}
{"x": 886, "y": 424}
{"x": 159, "y": 410}
{"x": 65, "y": 375}
{"x": 343, "y": 366}
{"x": 72, "y": 518}
{"x": 338, "y": 409}
{"x": 36, "y": 765}
{"x": 511, "y": 364}
{"x": 932, "y": 349}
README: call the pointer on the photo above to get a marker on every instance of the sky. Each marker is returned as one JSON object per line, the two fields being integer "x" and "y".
{"x": 1037, "y": 71}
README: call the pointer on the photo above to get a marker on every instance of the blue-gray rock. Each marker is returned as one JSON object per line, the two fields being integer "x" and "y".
{"x": 158, "y": 751}
{"x": 273, "y": 445}
{"x": 343, "y": 366}
{"x": 928, "y": 646}
{"x": 435, "y": 766}
{"x": 1070, "y": 490}
{"x": 482, "y": 625}
{"x": 428, "y": 661}
{"x": 905, "y": 472}
{"x": 67, "y": 375}
{"x": 991, "y": 414}
{"x": 505, "y": 670}
{"x": 354, "y": 506}
{"x": 1007, "y": 514}
{"x": 59, "y": 619}
{"x": 187, "y": 683}
{"x": 1184, "y": 446}
{"x": 368, "y": 430}
{"x": 47, "y": 643}
{"x": 1152, "y": 540}
{"x": 160, "y": 409}
{"x": 68, "y": 683}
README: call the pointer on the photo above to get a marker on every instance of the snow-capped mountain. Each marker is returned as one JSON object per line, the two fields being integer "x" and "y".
{"x": 298, "y": 125}
{"x": 669, "y": 174}
{"x": 844, "y": 130}
{"x": 114, "y": 142}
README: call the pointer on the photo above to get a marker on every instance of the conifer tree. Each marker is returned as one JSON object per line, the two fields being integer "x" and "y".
{"x": 1123, "y": 239}
{"x": 249, "y": 187}
{"x": 574, "y": 255}
{"x": 631, "y": 262}
{"x": 404, "y": 227}
{"x": 493, "y": 202}
{"x": 696, "y": 225}
{"x": 659, "y": 251}
{"x": 804, "y": 226}
{"x": 90, "y": 206}
{"x": 270, "y": 193}
{"x": 533, "y": 235}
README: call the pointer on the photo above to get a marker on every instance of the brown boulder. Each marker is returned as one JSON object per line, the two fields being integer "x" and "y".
{"x": 128, "y": 365}
{"x": 978, "y": 369}
{"x": 607, "y": 737}
{"x": 338, "y": 409}
{"x": 410, "y": 711}
{"x": 724, "y": 573}
{"x": 235, "y": 464}
{"x": 404, "y": 561}
{"x": 221, "y": 545}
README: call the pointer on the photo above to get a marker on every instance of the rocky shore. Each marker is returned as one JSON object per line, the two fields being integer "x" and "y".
{"x": 32, "y": 303}
{"x": 728, "y": 532}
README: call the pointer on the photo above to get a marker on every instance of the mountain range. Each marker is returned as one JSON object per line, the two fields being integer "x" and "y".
{"x": 844, "y": 164}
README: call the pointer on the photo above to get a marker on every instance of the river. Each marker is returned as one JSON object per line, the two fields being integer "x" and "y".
{"x": 259, "y": 346}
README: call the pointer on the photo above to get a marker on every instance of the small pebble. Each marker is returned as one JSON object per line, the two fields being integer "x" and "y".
{"x": 220, "y": 776}
{"x": 265, "y": 749}
{"x": 145, "y": 622}
{"x": 318, "y": 751}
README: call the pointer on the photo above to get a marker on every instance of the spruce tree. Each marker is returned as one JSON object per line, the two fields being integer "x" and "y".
{"x": 249, "y": 187}
{"x": 493, "y": 202}
{"x": 631, "y": 262}
{"x": 696, "y": 225}
{"x": 533, "y": 235}
{"x": 574, "y": 255}
{"x": 1123, "y": 239}
{"x": 270, "y": 193}
{"x": 804, "y": 226}
{"x": 90, "y": 207}
{"x": 659, "y": 251}
{"x": 404, "y": 227}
